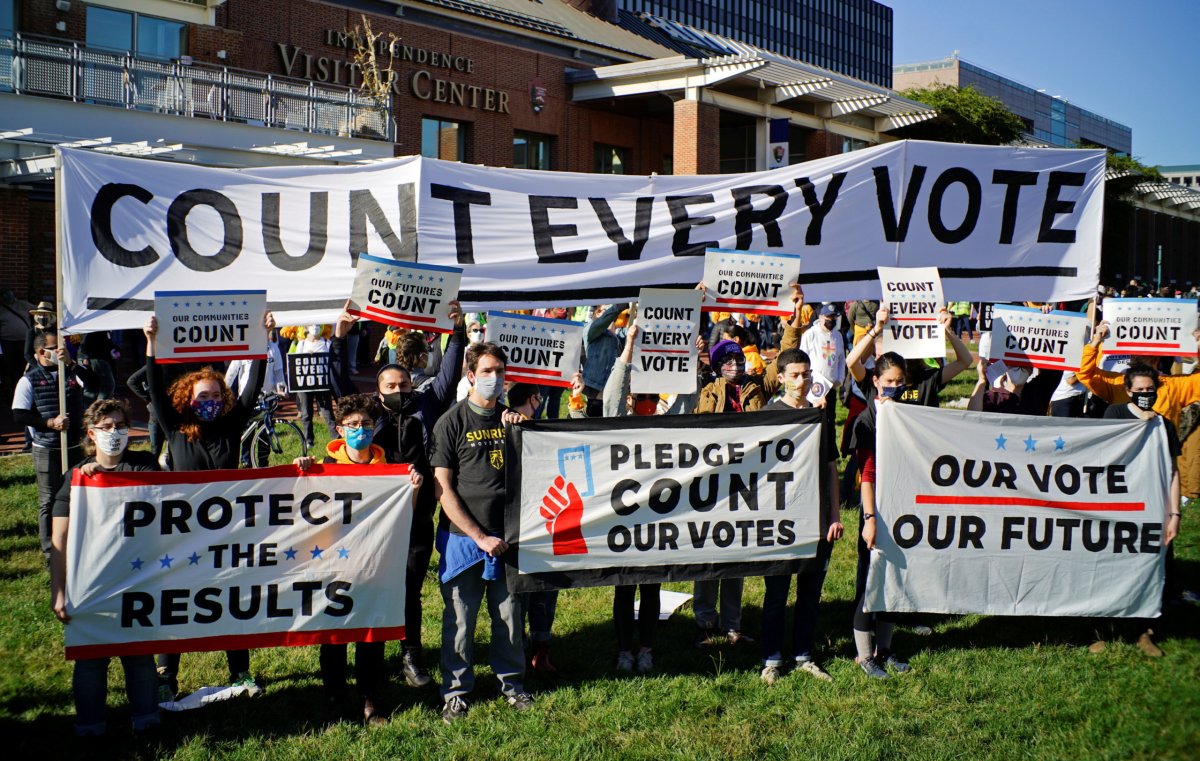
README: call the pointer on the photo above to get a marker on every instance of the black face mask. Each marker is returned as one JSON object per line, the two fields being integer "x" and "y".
{"x": 400, "y": 402}
{"x": 1144, "y": 400}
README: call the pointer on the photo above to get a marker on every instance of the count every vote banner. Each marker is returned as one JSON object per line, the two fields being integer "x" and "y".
{"x": 1018, "y": 515}
{"x": 231, "y": 559}
{"x": 632, "y": 500}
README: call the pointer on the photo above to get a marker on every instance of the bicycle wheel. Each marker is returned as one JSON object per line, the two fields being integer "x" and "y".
{"x": 278, "y": 445}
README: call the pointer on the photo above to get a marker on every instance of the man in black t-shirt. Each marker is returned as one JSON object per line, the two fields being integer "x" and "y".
{"x": 468, "y": 467}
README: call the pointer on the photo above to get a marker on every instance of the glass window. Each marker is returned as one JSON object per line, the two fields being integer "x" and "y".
{"x": 611, "y": 159}
{"x": 159, "y": 38}
{"x": 110, "y": 29}
{"x": 531, "y": 151}
{"x": 8, "y": 15}
{"x": 443, "y": 139}
{"x": 146, "y": 35}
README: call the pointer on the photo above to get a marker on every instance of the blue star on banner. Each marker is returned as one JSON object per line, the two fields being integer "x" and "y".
{"x": 136, "y": 563}
{"x": 1059, "y": 444}
{"x": 316, "y": 551}
{"x": 1030, "y": 444}
{"x": 176, "y": 305}
{"x": 193, "y": 559}
{"x": 1001, "y": 441}
{"x": 290, "y": 553}
{"x": 165, "y": 561}
{"x": 343, "y": 553}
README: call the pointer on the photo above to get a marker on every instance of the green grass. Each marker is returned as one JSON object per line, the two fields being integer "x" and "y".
{"x": 981, "y": 687}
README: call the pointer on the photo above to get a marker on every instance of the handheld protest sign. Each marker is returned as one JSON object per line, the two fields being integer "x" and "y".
{"x": 664, "y": 356}
{"x": 208, "y": 326}
{"x": 1150, "y": 327}
{"x": 820, "y": 388}
{"x": 758, "y": 282}
{"x": 308, "y": 373}
{"x": 540, "y": 350}
{"x": 1024, "y": 336}
{"x": 913, "y": 296}
{"x": 405, "y": 294}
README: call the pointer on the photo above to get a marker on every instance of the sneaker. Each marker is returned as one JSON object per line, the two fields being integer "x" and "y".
{"x": 1147, "y": 646}
{"x": 921, "y": 630}
{"x": 247, "y": 682}
{"x": 645, "y": 661}
{"x": 890, "y": 660}
{"x": 770, "y": 675}
{"x": 872, "y": 668}
{"x": 541, "y": 659}
{"x": 1188, "y": 595}
{"x": 812, "y": 669}
{"x": 372, "y": 717}
{"x": 737, "y": 638}
{"x": 454, "y": 709}
{"x": 624, "y": 661}
{"x": 414, "y": 674}
{"x": 522, "y": 701}
{"x": 1097, "y": 647}
{"x": 704, "y": 638}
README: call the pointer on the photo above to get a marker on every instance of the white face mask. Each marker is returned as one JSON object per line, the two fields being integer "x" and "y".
{"x": 475, "y": 336}
{"x": 489, "y": 387}
{"x": 111, "y": 442}
{"x": 313, "y": 331}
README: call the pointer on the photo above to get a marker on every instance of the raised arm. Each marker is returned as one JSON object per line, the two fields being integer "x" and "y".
{"x": 962, "y": 355}
{"x": 616, "y": 388}
{"x": 866, "y": 346}
{"x": 450, "y": 370}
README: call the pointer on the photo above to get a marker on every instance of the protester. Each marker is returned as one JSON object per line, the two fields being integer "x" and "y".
{"x": 15, "y": 322}
{"x": 106, "y": 422}
{"x": 203, "y": 423}
{"x": 1017, "y": 393}
{"x": 1174, "y": 393}
{"x": 862, "y": 317}
{"x": 960, "y": 311}
{"x": 826, "y": 349}
{"x": 795, "y": 376}
{"x": 355, "y": 420}
{"x": 313, "y": 339}
{"x": 468, "y": 462}
{"x": 601, "y": 346}
{"x": 97, "y": 352}
{"x": 36, "y": 405}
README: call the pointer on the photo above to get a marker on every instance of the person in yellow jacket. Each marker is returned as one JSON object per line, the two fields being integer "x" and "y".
{"x": 1176, "y": 392}
{"x": 961, "y": 312}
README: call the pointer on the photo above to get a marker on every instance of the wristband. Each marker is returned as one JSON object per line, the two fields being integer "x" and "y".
{"x": 868, "y": 517}
{"x": 1175, "y": 515}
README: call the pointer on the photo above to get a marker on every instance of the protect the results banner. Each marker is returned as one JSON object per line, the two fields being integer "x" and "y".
{"x": 231, "y": 559}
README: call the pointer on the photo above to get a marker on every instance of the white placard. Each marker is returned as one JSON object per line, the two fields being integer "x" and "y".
{"x": 758, "y": 282}
{"x": 913, "y": 296}
{"x": 664, "y": 356}
{"x": 209, "y": 326}
{"x": 404, "y": 294}
{"x": 1150, "y": 327}
{"x": 1024, "y": 336}
{"x": 540, "y": 350}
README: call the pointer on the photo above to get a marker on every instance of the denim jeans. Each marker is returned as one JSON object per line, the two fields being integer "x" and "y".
{"x": 463, "y": 596}
{"x": 804, "y": 623}
{"x": 47, "y": 466}
{"x": 90, "y": 684}
{"x": 704, "y": 604}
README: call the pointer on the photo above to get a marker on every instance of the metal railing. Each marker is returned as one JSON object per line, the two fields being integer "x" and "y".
{"x": 48, "y": 67}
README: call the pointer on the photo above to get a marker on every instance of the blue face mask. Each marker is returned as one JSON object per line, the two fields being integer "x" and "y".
{"x": 359, "y": 438}
{"x": 207, "y": 410}
{"x": 891, "y": 392}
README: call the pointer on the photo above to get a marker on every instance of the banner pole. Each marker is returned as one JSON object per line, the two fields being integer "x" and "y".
{"x": 58, "y": 297}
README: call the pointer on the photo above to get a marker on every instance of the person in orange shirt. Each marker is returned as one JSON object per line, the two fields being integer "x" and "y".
{"x": 1175, "y": 393}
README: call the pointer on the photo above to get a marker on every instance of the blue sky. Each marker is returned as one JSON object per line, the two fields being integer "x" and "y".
{"x": 1134, "y": 62}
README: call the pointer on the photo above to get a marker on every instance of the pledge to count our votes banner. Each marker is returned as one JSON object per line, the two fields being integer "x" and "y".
{"x": 204, "y": 326}
{"x": 664, "y": 356}
{"x": 913, "y": 296}
{"x": 1150, "y": 327}
{"x": 231, "y": 559}
{"x": 540, "y": 350}
{"x": 1018, "y": 515}
{"x": 662, "y": 498}
{"x": 758, "y": 282}
{"x": 1024, "y": 336}
{"x": 405, "y": 294}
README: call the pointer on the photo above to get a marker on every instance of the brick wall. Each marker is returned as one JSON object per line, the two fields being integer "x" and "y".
{"x": 14, "y": 242}
{"x": 697, "y": 137}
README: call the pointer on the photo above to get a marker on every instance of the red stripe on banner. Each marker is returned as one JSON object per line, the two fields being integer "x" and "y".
{"x": 1171, "y": 346}
{"x": 206, "y": 358}
{"x": 202, "y": 349}
{"x": 238, "y": 642}
{"x": 111, "y": 479}
{"x": 666, "y": 351}
{"x": 518, "y": 378}
{"x": 1100, "y": 507}
{"x": 531, "y": 371}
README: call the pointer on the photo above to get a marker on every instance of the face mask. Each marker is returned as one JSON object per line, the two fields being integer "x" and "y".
{"x": 891, "y": 392}
{"x": 111, "y": 442}
{"x": 645, "y": 407}
{"x": 733, "y": 373}
{"x": 475, "y": 336}
{"x": 400, "y": 402}
{"x": 359, "y": 438}
{"x": 313, "y": 331}
{"x": 1144, "y": 400}
{"x": 488, "y": 387}
{"x": 208, "y": 409}
{"x": 829, "y": 322}
{"x": 794, "y": 389}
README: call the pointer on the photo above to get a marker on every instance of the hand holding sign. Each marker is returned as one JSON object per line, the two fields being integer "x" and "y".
{"x": 562, "y": 507}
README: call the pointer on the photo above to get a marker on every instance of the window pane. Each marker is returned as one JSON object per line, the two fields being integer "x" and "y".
{"x": 109, "y": 29}
{"x": 531, "y": 151}
{"x": 8, "y": 15}
{"x": 443, "y": 140}
{"x": 160, "y": 38}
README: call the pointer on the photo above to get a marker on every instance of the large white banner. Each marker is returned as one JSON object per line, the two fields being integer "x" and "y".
{"x": 999, "y": 222}
{"x": 1150, "y": 327}
{"x": 1018, "y": 515}
{"x": 223, "y": 560}
{"x": 619, "y": 500}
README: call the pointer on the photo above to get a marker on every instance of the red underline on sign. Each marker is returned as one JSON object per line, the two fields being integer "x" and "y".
{"x": 913, "y": 319}
{"x": 752, "y": 302}
{"x": 398, "y": 322}
{"x": 399, "y": 315}
{"x": 724, "y": 307}
{"x": 532, "y": 371}
{"x": 518, "y": 378}
{"x": 206, "y": 358}
{"x": 666, "y": 351}
{"x": 1038, "y": 357}
{"x": 209, "y": 349}
{"x": 1122, "y": 344}
{"x": 1097, "y": 507}
{"x": 238, "y": 642}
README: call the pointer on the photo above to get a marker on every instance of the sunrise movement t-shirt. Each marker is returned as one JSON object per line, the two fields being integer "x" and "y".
{"x": 472, "y": 445}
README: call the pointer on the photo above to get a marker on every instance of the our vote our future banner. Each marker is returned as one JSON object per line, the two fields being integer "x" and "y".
{"x": 913, "y": 297}
{"x": 758, "y": 282}
{"x": 1150, "y": 327}
{"x": 404, "y": 294}
{"x": 209, "y": 326}
{"x": 1018, "y": 515}
{"x": 540, "y": 350}
{"x": 1024, "y": 336}
{"x": 602, "y": 501}
{"x": 232, "y": 559}
{"x": 664, "y": 355}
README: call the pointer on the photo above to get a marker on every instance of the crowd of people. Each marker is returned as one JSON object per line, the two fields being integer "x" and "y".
{"x": 436, "y": 406}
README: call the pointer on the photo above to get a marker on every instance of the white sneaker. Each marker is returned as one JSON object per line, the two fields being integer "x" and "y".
{"x": 770, "y": 675}
{"x": 645, "y": 661}
{"x": 624, "y": 661}
{"x": 812, "y": 669}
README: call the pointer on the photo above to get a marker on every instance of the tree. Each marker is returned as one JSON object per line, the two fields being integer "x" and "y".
{"x": 964, "y": 115}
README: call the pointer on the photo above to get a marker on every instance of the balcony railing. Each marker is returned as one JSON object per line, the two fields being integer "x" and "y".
{"x": 69, "y": 70}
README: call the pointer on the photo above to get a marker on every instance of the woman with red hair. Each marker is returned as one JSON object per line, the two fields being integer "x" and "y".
{"x": 203, "y": 423}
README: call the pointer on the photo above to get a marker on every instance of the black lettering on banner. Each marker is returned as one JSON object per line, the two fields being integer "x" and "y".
{"x": 746, "y": 216}
{"x": 462, "y": 200}
{"x": 340, "y": 601}
{"x": 627, "y": 249}
{"x": 681, "y": 244}
{"x": 101, "y": 223}
{"x": 253, "y": 604}
{"x": 937, "y": 193}
{"x": 136, "y": 607}
{"x": 306, "y": 589}
{"x": 177, "y": 233}
{"x": 318, "y": 233}
{"x": 893, "y": 231}
{"x": 208, "y": 600}
{"x": 1054, "y": 206}
{"x": 819, "y": 209}
{"x": 1013, "y": 180}
{"x": 544, "y": 233}
{"x": 364, "y": 208}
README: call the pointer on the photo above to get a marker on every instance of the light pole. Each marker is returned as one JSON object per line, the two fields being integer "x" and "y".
{"x": 1160, "y": 268}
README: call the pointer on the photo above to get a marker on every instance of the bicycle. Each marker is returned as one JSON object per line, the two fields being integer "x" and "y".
{"x": 267, "y": 441}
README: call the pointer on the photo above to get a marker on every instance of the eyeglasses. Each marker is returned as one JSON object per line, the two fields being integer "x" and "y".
{"x": 359, "y": 427}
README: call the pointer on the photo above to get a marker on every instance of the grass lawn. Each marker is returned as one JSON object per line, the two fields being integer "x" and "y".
{"x": 980, "y": 688}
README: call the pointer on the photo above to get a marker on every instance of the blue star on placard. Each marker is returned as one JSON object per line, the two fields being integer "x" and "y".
{"x": 1059, "y": 444}
{"x": 1030, "y": 444}
{"x": 165, "y": 561}
{"x": 176, "y": 305}
{"x": 441, "y": 279}
{"x": 343, "y": 553}
{"x": 221, "y": 303}
{"x": 136, "y": 563}
{"x": 316, "y": 551}
{"x": 193, "y": 559}
{"x": 290, "y": 553}
{"x": 1001, "y": 441}
{"x": 210, "y": 303}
